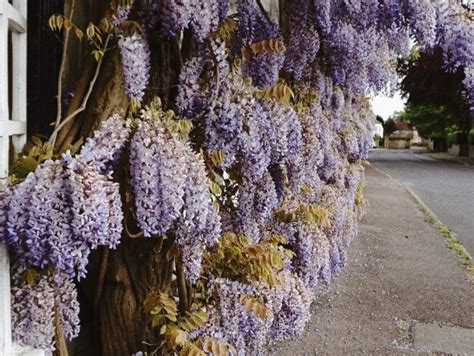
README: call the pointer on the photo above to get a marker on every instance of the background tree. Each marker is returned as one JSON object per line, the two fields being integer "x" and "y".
{"x": 379, "y": 119}
{"x": 389, "y": 127}
{"x": 431, "y": 122}
{"x": 433, "y": 92}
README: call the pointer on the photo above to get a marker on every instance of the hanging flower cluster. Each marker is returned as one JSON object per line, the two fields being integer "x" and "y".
{"x": 255, "y": 33}
{"x": 51, "y": 221}
{"x": 171, "y": 189}
{"x": 60, "y": 212}
{"x": 135, "y": 54}
{"x": 37, "y": 306}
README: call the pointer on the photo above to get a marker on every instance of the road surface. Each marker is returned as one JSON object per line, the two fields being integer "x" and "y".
{"x": 447, "y": 188}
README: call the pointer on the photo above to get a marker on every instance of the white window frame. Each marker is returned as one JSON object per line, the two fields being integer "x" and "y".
{"x": 12, "y": 125}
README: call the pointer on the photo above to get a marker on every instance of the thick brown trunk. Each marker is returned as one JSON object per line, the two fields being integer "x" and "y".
{"x": 108, "y": 97}
{"x": 112, "y": 314}
{"x": 463, "y": 136}
{"x": 138, "y": 267}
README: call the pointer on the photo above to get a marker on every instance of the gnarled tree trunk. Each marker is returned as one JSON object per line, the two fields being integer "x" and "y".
{"x": 112, "y": 314}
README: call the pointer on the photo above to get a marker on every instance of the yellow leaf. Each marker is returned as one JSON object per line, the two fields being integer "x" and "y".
{"x": 90, "y": 31}
{"x": 257, "y": 48}
{"x": 59, "y": 22}
{"x": 279, "y": 46}
{"x": 215, "y": 188}
{"x": 157, "y": 320}
{"x": 79, "y": 33}
{"x": 266, "y": 46}
{"x": 163, "y": 329}
{"x": 215, "y": 348}
{"x": 181, "y": 337}
{"x": 245, "y": 53}
{"x": 52, "y": 22}
{"x": 105, "y": 24}
{"x": 207, "y": 346}
{"x": 171, "y": 317}
{"x": 67, "y": 24}
{"x": 202, "y": 315}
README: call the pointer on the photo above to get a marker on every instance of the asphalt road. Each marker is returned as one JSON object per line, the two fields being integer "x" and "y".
{"x": 447, "y": 188}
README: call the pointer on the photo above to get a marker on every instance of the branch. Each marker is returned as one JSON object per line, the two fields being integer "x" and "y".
{"x": 59, "y": 339}
{"x": 181, "y": 280}
{"x": 264, "y": 12}
{"x": 100, "y": 281}
{"x": 63, "y": 66}
{"x": 216, "y": 93}
{"x": 71, "y": 116}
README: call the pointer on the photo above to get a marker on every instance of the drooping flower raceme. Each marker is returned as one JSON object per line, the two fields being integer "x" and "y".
{"x": 256, "y": 203}
{"x": 62, "y": 211}
{"x": 200, "y": 225}
{"x": 294, "y": 313}
{"x": 104, "y": 149}
{"x": 36, "y": 306}
{"x": 135, "y": 54}
{"x": 170, "y": 187}
{"x": 69, "y": 206}
{"x": 157, "y": 168}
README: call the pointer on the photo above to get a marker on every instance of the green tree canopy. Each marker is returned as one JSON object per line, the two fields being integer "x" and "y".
{"x": 434, "y": 97}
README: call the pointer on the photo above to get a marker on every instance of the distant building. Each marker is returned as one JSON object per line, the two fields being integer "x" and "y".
{"x": 401, "y": 137}
{"x": 404, "y": 137}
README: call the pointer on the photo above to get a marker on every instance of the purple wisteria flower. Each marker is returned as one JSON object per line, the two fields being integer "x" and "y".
{"x": 171, "y": 191}
{"x": 35, "y": 307}
{"x": 256, "y": 203}
{"x": 62, "y": 211}
{"x": 135, "y": 54}
{"x": 104, "y": 149}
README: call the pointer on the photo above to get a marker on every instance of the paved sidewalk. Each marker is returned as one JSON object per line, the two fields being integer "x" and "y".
{"x": 444, "y": 156}
{"x": 403, "y": 291}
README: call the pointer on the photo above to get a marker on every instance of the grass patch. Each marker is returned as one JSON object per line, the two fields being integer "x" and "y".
{"x": 453, "y": 243}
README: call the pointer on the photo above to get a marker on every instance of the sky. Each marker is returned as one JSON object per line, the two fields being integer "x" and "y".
{"x": 386, "y": 106}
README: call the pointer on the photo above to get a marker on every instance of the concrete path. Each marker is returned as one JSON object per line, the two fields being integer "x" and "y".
{"x": 447, "y": 188}
{"x": 403, "y": 291}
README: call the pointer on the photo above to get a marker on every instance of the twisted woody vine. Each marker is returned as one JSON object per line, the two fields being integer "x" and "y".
{"x": 249, "y": 176}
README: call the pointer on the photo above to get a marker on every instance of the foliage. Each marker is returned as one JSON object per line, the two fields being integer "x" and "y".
{"x": 437, "y": 98}
{"x": 35, "y": 152}
{"x": 389, "y": 127}
{"x": 236, "y": 258}
{"x": 430, "y": 121}
{"x": 176, "y": 328}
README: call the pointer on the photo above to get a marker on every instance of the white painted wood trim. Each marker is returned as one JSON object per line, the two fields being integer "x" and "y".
{"x": 5, "y": 323}
{"x": 12, "y": 19}
{"x": 11, "y": 128}
{"x": 16, "y": 21}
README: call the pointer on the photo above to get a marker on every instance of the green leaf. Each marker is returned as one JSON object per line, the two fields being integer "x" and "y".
{"x": 163, "y": 329}
{"x": 30, "y": 275}
{"x": 90, "y": 32}
{"x": 156, "y": 310}
{"x": 157, "y": 320}
{"x": 171, "y": 317}
{"x": 76, "y": 146}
